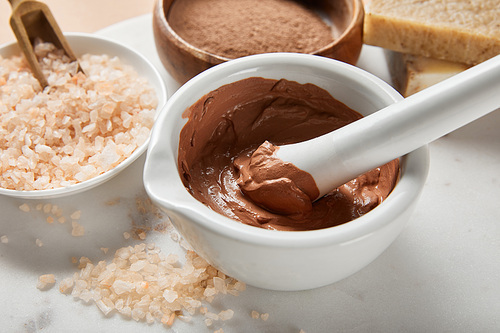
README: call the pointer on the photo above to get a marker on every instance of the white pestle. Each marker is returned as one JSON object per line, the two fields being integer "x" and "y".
{"x": 339, "y": 156}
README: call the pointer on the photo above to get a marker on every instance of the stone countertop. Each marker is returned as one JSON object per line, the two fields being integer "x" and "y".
{"x": 440, "y": 275}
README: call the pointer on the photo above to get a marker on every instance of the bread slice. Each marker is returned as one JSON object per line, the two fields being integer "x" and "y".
{"x": 464, "y": 31}
{"x": 411, "y": 73}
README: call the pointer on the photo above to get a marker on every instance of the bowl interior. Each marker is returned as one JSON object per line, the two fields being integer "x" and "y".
{"x": 356, "y": 88}
{"x": 86, "y": 43}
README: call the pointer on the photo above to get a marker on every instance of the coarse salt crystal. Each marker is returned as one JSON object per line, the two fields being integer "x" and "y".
{"x": 46, "y": 280}
{"x": 76, "y": 215}
{"x": 56, "y": 211}
{"x": 126, "y": 311}
{"x": 226, "y": 314}
{"x": 123, "y": 253}
{"x": 212, "y": 316}
{"x": 65, "y": 285}
{"x": 149, "y": 318}
{"x": 4, "y": 239}
{"x": 46, "y": 208}
{"x": 138, "y": 314}
{"x": 138, "y": 265}
{"x": 120, "y": 286}
{"x": 219, "y": 285}
{"x": 168, "y": 319}
{"x": 105, "y": 305}
{"x": 170, "y": 295}
{"x": 24, "y": 207}
{"x": 209, "y": 292}
{"x": 77, "y": 229}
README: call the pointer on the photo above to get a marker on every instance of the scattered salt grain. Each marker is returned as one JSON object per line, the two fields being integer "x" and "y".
{"x": 47, "y": 208}
{"x": 76, "y": 215}
{"x": 4, "y": 239}
{"x": 255, "y": 314}
{"x": 77, "y": 229}
{"x": 24, "y": 207}
{"x": 56, "y": 211}
{"x": 143, "y": 284}
{"x": 46, "y": 281}
{"x": 38, "y": 242}
{"x": 264, "y": 316}
{"x": 226, "y": 314}
{"x": 126, "y": 235}
{"x": 212, "y": 316}
{"x": 65, "y": 285}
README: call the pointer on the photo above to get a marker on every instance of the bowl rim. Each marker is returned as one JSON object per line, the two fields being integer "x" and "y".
{"x": 357, "y": 11}
{"x": 12, "y": 48}
{"x": 414, "y": 166}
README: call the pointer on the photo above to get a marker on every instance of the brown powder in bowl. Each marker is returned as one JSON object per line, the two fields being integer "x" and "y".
{"x": 236, "y": 28}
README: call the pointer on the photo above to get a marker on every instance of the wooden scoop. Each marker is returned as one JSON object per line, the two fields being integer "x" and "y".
{"x": 31, "y": 19}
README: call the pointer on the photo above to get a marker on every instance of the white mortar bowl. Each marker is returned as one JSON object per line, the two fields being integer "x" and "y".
{"x": 82, "y": 43}
{"x": 281, "y": 260}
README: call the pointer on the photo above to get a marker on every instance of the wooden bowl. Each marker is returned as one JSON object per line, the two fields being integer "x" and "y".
{"x": 183, "y": 60}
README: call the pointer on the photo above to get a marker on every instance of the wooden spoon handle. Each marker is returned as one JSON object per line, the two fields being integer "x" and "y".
{"x": 32, "y": 19}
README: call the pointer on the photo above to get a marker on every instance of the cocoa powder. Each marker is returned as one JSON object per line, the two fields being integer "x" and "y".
{"x": 236, "y": 28}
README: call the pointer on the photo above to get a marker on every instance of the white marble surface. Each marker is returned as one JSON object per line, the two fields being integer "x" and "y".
{"x": 441, "y": 275}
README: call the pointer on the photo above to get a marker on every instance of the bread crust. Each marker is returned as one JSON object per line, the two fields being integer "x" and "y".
{"x": 467, "y": 34}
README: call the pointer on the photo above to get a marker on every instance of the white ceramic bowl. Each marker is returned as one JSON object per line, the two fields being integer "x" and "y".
{"x": 82, "y": 43}
{"x": 276, "y": 259}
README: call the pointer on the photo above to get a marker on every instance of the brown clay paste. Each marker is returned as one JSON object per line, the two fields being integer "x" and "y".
{"x": 228, "y": 125}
